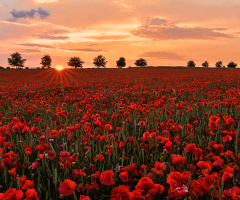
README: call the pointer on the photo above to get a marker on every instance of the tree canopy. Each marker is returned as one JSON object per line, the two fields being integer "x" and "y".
{"x": 141, "y": 62}
{"x": 46, "y": 61}
{"x": 232, "y": 65}
{"x": 218, "y": 64}
{"x": 121, "y": 62}
{"x": 75, "y": 62}
{"x": 16, "y": 60}
{"x": 191, "y": 63}
{"x": 205, "y": 64}
{"x": 100, "y": 61}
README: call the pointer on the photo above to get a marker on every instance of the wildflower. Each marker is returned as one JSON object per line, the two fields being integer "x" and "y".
{"x": 67, "y": 187}
{"x": 106, "y": 177}
{"x": 159, "y": 168}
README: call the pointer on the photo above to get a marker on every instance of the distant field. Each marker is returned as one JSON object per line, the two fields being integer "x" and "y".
{"x": 139, "y": 133}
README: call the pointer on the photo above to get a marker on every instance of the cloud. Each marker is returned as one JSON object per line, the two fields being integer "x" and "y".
{"x": 90, "y": 50}
{"x": 124, "y": 4}
{"x": 51, "y": 37}
{"x": 53, "y": 34}
{"x": 30, "y": 51}
{"x": 160, "y": 29}
{"x": 45, "y": 1}
{"x": 30, "y": 14}
{"x": 36, "y": 45}
{"x": 162, "y": 55}
{"x": 108, "y": 37}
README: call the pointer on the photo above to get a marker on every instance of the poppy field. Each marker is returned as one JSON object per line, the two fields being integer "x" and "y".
{"x": 120, "y": 134}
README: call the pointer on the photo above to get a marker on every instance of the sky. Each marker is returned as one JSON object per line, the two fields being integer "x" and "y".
{"x": 164, "y": 32}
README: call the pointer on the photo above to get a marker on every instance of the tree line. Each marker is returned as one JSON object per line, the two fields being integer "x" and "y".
{"x": 218, "y": 64}
{"x": 17, "y": 61}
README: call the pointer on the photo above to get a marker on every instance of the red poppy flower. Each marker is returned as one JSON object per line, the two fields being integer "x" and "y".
{"x": 206, "y": 168}
{"x": 227, "y": 175}
{"x": 124, "y": 176}
{"x": 120, "y": 192}
{"x": 106, "y": 177}
{"x": 13, "y": 194}
{"x": 28, "y": 185}
{"x": 135, "y": 195}
{"x": 67, "y": 187}
{"x": 82, "y": 197}
{"x": 22, "y": 180}
{"x": 159, "y": 168}
{"x": 178, "y": 160}
{"x": 99, "y": 157}
{"x": 198, "y": 154}
{"x": 168, "y": 146}
{"x": 31, "y": 194}
{"x": 190, "y": 148}
{"x": 195, "y": 188}
{"x": 13, "y": 172}
{"x": 146, "y": 184}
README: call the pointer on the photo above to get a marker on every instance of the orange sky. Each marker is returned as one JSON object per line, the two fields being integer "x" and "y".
{"x": 164, "y": 32}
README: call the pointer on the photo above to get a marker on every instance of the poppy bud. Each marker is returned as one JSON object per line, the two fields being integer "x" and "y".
{"x": 51, "y": 140}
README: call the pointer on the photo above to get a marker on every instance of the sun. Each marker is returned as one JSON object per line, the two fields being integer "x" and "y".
{"x": 59, "y": 67}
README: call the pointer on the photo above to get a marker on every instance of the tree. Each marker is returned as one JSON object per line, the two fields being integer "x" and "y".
{"x": 121, "y": 62}
{"x": 218, "y": 64}
{"x": 205, "y": 64}
{"x": 232, "y": 65}
{"x": 16, "y": 60}
{"x": 100, "y": 61}
{"x": 46, "y": 61}
{"x": 191, "y": 63}
{"x": 141, "y": 62}
{"x": 75, "y": 62}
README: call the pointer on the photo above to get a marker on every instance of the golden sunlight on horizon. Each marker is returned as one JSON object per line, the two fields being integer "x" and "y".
{"x": 59, "y": 67}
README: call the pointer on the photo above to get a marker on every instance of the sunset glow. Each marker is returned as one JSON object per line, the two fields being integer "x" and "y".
{"x": 164, "y": 32}
{"x": 59, "y": 67}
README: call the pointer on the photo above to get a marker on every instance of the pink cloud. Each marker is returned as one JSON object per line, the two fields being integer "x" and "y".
{"x": 160, "y": 29}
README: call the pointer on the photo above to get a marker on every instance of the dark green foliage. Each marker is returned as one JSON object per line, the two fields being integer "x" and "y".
{"x": 218, "y": 64}
{"x": 100, "y": 61}
{"x": 75, "y": 62}
{"x": 46, "y": 61}
{"x": 191, "y": 64}
{"x": 232, "y": 65}
{"x": 205, "y": 64}
{"x": 16, "y": 60}
{"x": 121, "y": 62}
{"x": 141, "y": 62}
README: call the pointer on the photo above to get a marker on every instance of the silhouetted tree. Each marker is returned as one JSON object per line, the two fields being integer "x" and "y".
{"x": 232, "y": 65}
{"x": 75, "y": 62}
{"x": 141, "y": 62}
{"x": 46, "y": 61}
{"x": 16, "y": 60}
{"x": 191, "y": 63}
{"x": 205, "y": 64}
{"x": 100, "y": 61}
{"x": 121, "y": 62}
{"x": 218, "y": 64}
